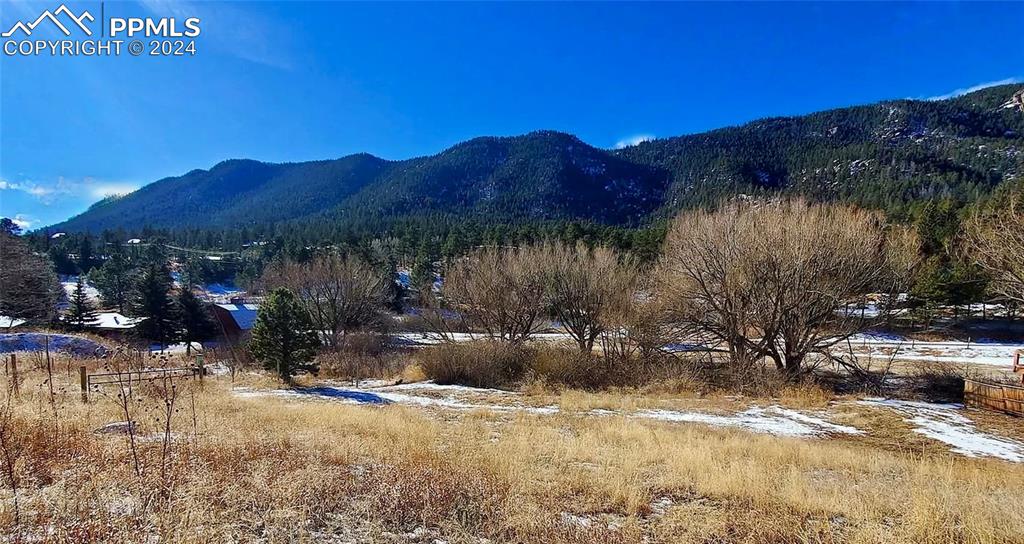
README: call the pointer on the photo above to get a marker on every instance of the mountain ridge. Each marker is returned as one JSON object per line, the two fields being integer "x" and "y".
{"x": 883, "y": 154}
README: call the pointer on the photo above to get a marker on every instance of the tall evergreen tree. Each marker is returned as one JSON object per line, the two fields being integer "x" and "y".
{"x": 85, "y": 258}
{"x": 28, "y": 285}
{"x": 283, "y": 338}
{"x": 115, "y": 281}
{"x": 82, "y": 313}
{"x": 196, "y": 322}
{"x": 153, "y": 301}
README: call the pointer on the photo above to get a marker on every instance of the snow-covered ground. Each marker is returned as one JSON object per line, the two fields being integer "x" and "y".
{"x": 64, "y": 343}
{"x": 69, "y": 283}
{"x": 945, "y": 423}
{"x": 773, "y": 420}
{"x": 430, "y": 338}
{"x": 981, "y": 353}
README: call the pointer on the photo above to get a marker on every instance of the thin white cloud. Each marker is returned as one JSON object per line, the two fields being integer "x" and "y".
{"x": 24, "y": 221}
{"x": 40, "y": 192}
{"x": 238, "y": 32}
{"x": 978, "y": 87}
{"x": 90, "y": 188}
{"x": 633, "y": 140}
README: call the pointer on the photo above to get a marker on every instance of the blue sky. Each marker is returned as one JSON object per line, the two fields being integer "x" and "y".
{"x": 287, "y": 81}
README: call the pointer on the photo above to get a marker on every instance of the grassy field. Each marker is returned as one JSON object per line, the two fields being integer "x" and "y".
{"x": 251, "y": 468}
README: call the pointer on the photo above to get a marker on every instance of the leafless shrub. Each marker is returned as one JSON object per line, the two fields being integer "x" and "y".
{"x": 482, "y": 363}
{"x": 869, "y": 374}
{"x": 938, "y": 382}
{"x": 10, "y": 452}
{"x": 361, "y": 356}
{"x": 166, "y": 391}
{"x": 586, "y": 288}
{"x": 994, "y": 239}
{"x": 500, "y": 291}
{"x": 126, "y": 397}
{"x": 772, "y": 279}
{"x": 341, "y": 294}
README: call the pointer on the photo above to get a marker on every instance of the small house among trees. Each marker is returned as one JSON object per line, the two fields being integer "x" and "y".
{"x": 236, "y": 319}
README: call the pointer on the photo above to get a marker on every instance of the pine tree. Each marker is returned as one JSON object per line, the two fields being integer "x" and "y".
{"x": 85, "y": 254}
{"x": 283, "y": 338}
{"x": 194, "y": 272}
{"x": 196, "y": 322}
{"x": 82, "y": 313}
{"x": 115, "y": 281}
{"x": 153, "y": 301}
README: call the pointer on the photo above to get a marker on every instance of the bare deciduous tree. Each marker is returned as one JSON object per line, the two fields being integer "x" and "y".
{"x": 499, "y": 291}
{"x": 341, "y": 294}
{"x": 994, "y": 239}
{"x": 586, "y": 288}
{"x": 774, "y": 279}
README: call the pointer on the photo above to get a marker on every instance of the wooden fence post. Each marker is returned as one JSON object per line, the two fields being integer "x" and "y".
{"x": 16, "y": 387}
{"x": 83, "y": 379}
{"x": 199, "y": 365}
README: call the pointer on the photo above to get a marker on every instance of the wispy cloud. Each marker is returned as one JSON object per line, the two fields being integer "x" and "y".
{"x": 633, "y": 140}
{"x": 978, "y": 87}
{"x": 27, "y": 187}
{"x": 235, "y": 31}
{"x": 24, "y": 221}
{"x": 87, "y": 187}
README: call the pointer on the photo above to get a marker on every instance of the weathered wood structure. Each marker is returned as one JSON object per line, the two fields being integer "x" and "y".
{"x": 998, "y": 396}
{"x": 994, "y": 396}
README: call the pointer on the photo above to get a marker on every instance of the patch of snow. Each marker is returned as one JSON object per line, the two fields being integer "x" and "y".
{"x": 429, "y": 385}
{"x": 661, "y": 505}
{"x": 64, "y": 343}
{"x": 70, "y": 283}
{"x": 114, "y": 320}
{"x": 946, "y": 423}
{"x": 429, "y": 338}
{"x": 222, "y": 289}
{"x": 575, "y": 520}
{"x": 382, "y": 396}
{"x": 984, "y": 353}
{"x": 180, "y": 347}
{"x": 117, "y": 427}
{"x": 10, "y": 322}
{"x": 773, "y": 420}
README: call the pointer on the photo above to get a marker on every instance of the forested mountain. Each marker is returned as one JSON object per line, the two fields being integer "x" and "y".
{"x": 886, "y": 155}
{"x": 882, "y": 155}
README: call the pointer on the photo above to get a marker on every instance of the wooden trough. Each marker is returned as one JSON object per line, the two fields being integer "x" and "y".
{"x": 997, "y": 396}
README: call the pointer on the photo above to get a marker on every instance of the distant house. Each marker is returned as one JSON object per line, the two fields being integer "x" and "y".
{"x": 113, "y": 325}
{"x": 236, "y": 318}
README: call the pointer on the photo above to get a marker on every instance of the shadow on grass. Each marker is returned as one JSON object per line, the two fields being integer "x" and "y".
{"x": 361, "y": 397}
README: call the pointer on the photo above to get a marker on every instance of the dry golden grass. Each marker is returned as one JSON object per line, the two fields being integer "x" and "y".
{"x": 267, "y": 469}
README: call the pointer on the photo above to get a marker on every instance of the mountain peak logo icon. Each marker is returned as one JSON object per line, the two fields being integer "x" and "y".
{"x": 53, "y": 18}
